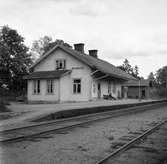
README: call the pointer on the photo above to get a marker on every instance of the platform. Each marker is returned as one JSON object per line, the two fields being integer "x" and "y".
{"x": 36, "y": 111}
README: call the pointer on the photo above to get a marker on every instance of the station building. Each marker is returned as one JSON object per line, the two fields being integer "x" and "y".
{"x": 136, "y": 89}
{"x": 69, "y": 74}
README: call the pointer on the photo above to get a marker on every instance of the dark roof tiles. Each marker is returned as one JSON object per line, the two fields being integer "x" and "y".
{"x": 92, "y": 62}
{"x": 46, "y": 74}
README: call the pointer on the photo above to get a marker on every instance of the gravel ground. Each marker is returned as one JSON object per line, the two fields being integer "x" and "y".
{"x": 82, "y": 145}
{"x": 153, "y": 150}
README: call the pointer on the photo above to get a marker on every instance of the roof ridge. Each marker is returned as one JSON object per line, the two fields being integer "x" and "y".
{"x": 92, "y": 62}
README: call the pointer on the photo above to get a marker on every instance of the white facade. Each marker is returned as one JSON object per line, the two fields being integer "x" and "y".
{"x": 63, "y": 86}
{"x": 107, "y": 87}
{"x": 43, "y": 95}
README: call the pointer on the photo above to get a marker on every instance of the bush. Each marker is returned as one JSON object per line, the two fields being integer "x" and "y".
{"x": 7, "y": 95}
{"x": 3, "y": 107}
{"x": 162, "y": 92}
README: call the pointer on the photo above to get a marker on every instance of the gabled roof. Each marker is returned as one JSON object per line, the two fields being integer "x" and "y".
{"x": 92, "y": 62}
{"x": 46, "y": 74}
{"x": 133, "y": 83}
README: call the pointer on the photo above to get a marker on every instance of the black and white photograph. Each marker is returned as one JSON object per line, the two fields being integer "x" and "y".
{"x": 83, "y": 82}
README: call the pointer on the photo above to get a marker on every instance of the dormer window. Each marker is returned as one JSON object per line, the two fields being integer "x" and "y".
{"x": 60, "y": 64}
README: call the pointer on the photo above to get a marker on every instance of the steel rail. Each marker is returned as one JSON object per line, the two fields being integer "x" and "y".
{"x": 131, "y": 143}
{"x": 114, "y": 113}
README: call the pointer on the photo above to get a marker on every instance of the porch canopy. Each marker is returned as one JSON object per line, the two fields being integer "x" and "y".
{"x": 46, "y": 74}
{"x": 99, "y": 75}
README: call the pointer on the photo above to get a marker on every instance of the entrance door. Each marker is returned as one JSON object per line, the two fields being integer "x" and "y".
{"x": 143, "y": 94}
{"x": 99, "y": 90}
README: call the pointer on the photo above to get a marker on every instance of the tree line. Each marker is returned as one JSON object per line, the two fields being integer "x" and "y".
{"x": 134, "y": 71}
{"x": 16, "y": 58}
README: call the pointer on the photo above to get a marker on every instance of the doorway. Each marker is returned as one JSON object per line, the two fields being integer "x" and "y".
{"x": 143, "y": 94}
{"x": 99, "y": 90}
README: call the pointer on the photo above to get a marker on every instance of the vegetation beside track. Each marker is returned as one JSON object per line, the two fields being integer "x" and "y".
{"x": 3, "y": 107}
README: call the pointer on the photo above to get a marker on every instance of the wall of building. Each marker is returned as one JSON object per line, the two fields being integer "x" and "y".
{"x": 118, "y": 91}
{"x": 115, "y": 88}
{"x": 65, "y": 87}
{"x": 43, "y": 95}
{"x": 104, "y": 88}
{"x": 49, "y": 63}
{"x": 133, "y": 92}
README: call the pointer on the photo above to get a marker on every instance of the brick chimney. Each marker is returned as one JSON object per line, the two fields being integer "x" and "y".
{"x": 79, "y": 47}
{"x": 93, "y": 53}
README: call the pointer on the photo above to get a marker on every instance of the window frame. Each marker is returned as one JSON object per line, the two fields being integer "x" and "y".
{"x": 36, "y": 87}
{"x": 58, "y": 61}
{"x": 76, "y": 86}
{"x": 50, "y": 86}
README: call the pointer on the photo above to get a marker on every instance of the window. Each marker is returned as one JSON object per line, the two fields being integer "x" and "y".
{"x": 49, "y": 86}
{"x": 77, "y": 86}
{"x": 60, "y": 64}
{"x": 36, "y": 86}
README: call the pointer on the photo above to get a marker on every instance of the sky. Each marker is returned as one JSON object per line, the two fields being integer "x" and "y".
{"x": 119, "y": 29}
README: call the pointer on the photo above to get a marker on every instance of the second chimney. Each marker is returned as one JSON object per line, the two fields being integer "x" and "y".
{"x": 79, "y": 47}
{"x": 93, "y": 53}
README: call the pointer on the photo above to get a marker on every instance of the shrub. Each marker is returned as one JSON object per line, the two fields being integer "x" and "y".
{"x": 162, "y": 92}
{"x": 3, "y": 107}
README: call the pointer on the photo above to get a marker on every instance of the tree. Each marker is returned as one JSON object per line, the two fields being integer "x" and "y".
{"x": 152, "y": 80}
{"x": 14, "y": 59}
{"x": 135, "y": 71}
{"x": 126, "y": 66}
{"x": 40, "y": 45}
{"x": 161, "y": 77}
{"x": 129, "y": 69}
{"x": 44, "y": 44}
{"x": 151, "y": 76}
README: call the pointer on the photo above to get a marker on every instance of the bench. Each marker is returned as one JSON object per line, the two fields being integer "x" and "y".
{"x": 109, "y": 97}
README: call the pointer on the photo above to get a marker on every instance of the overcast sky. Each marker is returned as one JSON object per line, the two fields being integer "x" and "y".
{"x": 119, "y": 29}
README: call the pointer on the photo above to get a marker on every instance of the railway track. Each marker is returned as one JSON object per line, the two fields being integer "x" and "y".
{"x": 138, "y": 137}
{"x": 37, "y": 129}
